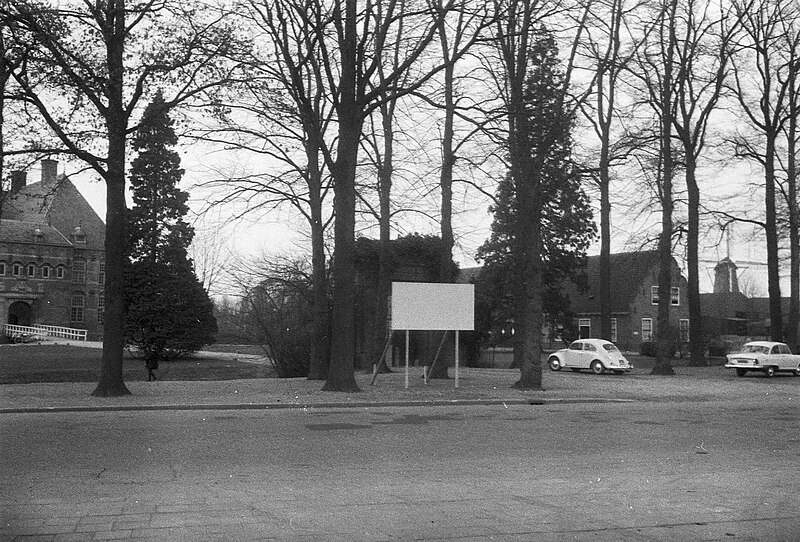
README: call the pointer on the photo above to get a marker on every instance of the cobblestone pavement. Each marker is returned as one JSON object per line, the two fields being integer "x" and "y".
{"x": 632, "y": 457}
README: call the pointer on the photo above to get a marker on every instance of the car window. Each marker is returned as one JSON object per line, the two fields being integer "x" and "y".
{"x": 755, "y": 349}
{"x": 576, "y": 346}
{"x": 783, "y": 349}
{"x": 590, "y": 347}
{"x": 610, "y": 347}
{"x": 776, "y": 349}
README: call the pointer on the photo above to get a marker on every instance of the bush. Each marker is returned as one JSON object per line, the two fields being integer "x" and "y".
{"x": 717, "y": 348}
{"x": 649, "y": 349}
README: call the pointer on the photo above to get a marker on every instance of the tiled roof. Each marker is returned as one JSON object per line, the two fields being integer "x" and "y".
{"x": 59, "y": 205}
{"x": 628, "y": 271}
{"x": 16, "y": 231}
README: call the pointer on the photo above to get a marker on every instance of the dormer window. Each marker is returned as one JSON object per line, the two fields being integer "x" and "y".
{"x": 78, "y": 236}
{"x": 38, "y": 235}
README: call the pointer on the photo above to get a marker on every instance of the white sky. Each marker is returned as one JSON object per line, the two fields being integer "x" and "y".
{"x": 278, "y": 233}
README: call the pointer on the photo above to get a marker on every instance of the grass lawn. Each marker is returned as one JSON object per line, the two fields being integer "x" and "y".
{"x": 27, "y": 363}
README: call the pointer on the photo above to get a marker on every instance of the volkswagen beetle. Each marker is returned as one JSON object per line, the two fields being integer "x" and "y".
{"x": 597, "y": 355}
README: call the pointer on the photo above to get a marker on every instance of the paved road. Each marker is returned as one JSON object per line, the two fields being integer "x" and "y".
{"x": 654, "y": 471}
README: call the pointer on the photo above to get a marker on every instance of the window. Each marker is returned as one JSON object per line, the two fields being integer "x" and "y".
{"x": 31, "y": 270}
{"x": 654, "y": 295}
{"x": 584, "y": 328}
{"x": 16, "y": 269}
{"x": 684, "y": 330}
{"x": 2, "y": 268}
{"x": 77, "y": 308}
{"x": 101, "y": 308}
{"x": 675, "y": 296}
{"x": 59, "y": 272}
{"x": 101, "y": 273}
{"x": 45, "y": 271}
{"x": 589, "y": 347}
{"x": 577, "y": 345}
{"x": 647, "y": 329}
{"x": 79, "y": 271}
{"x": 613, "y": 330}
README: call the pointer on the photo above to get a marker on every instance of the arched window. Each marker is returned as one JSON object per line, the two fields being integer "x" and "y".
{"x": 31, "y": 270}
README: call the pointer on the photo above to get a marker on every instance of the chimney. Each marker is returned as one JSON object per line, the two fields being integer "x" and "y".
{"x": 49, "y": 170}
{"x": 18, "y": 181}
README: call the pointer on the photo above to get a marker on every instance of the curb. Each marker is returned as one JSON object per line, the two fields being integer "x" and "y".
{"x": 309, "y": 406}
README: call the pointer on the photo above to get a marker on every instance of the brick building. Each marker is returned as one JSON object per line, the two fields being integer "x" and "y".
{"x": 634, "y": 299}
{"x": 52, "y": 259}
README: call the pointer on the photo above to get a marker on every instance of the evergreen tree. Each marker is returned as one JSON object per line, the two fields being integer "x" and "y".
{"x": 168, "y": 312}
{"x": 567, "y": 226}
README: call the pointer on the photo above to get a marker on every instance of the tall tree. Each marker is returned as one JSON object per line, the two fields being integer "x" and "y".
{"x": 791, "y": 78}
{"x": 607, "y": 57}
{"x": 654, "y": 67}
{"x": 282, "y": 114}
{"x": 528, "y": 67}
{"x": 703, "y": 52}
{"x": 168, "y": 312}
{"x": 359, "y": 34}
{"x": 100, "y": 59}
{"x": 761, "y": 87}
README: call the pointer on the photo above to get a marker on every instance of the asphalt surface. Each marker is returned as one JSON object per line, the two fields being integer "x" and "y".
{"x": 702, "y": 455}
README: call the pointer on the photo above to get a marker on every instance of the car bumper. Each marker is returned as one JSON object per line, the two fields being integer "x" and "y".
{"x": 743, "y": 366}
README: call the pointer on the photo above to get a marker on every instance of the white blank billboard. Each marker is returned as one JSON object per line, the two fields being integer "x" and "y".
{"x": 433, "y": 306}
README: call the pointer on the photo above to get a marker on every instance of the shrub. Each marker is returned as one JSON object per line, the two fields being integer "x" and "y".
{"x": 649, "y": 349}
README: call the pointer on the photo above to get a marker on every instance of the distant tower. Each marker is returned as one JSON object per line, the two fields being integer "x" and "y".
{"x": 725, "y": 279}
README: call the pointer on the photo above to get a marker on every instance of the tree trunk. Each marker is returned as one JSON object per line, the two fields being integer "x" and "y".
{"x": 341, "y": 374}
{"x": 794, "y": 212}
{"x": 446, "y": 184}
{"x": 320, "y": 342}
{"x": 605, "y": 248}
{"x": 771, "y": 231}
{"x": 663, "y": 365}
{"x": 111, "y": 380}
{"x": 385, "y": 172}
{"x": 696, "y": 345}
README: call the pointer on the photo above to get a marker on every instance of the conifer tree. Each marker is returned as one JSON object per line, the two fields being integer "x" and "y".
{"x": 168, "y": 312}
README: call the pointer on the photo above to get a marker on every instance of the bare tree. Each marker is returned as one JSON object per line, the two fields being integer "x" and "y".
{"x": 791, "y": 47}
{"x": 97, "y": 62}
{"x": 360, "y": 38}
{"x": 654, "y": 68}
{"x": 607, "y": 56}
{"x": 762, "y": 81}
{"x": 703, "y": 50}
{"x": 527, "y": 155}
{"x": 282, "y": 114}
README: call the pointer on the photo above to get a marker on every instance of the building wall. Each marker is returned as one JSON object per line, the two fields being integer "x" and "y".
{"x": 629, "y": 325}
{"x": 50, "y": 297}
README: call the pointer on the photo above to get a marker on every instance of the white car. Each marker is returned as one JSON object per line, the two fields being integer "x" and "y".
{"x": 595, "y": 354}
{"x": 765, "y": 356}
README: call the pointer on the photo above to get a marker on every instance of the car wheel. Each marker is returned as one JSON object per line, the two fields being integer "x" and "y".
{"x": 797, "y": 371}
{"x": 555, "y": 364}
{"x": 597, "y": 367}
{"x": 769, "y": 371}
{"x": 741, "y": 372}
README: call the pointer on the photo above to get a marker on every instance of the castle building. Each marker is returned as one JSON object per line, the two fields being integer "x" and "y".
{"x": 52, "y": 258}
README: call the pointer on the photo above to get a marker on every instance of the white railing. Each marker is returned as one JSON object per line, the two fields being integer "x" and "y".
{"x": 39, "y": 331}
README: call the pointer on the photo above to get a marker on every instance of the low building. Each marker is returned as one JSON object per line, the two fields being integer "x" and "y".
{"x": 634, "y": 299}
{"x": 52, "y": 258}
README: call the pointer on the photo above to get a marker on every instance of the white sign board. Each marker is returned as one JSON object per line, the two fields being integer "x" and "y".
{"x": 433, "y": 306}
